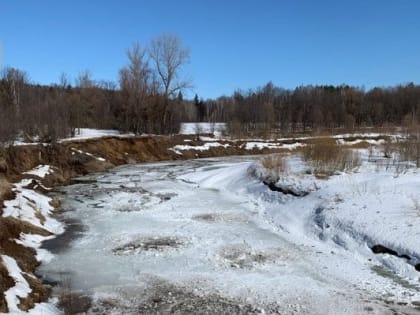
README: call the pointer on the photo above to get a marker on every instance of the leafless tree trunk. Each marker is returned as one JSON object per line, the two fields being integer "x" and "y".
{"x": 169, "y": 57}
{"x": 134, "y": 83}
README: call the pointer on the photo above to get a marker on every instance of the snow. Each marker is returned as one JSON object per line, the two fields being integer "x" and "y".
{"x": 271, "y": 145}
{"x": 88, "y": 133}
{"x": 35, "y": 208}
{"x": 40, "y": 171}
{"x": 201, "y": 127}
{"x": 88, "y": 154}
{"x": 35, "y": 241}
{"x": 21, "y": 289}
{"x": 357, "y": 141}
{"x": 206, "y": 146}
{"x": 238, "y": 239}
{"x": 32, "y": 207}
{"x": 366, "y": 135}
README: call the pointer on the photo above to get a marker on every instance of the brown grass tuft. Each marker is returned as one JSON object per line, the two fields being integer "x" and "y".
{"x": 326, "y": 157}
{"x": 275, "y": 166}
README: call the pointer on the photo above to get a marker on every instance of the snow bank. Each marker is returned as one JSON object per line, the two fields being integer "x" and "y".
{"x": 87, "y": 133}
{"x": 83, "y": 133}
{"x": 35, "y": 241}
{"x": 32, "y": 207}
{"x": 40, "y": 171}
{"x": 355, "y": 211}
{"x": 201, "y": 127}
{"x": 21, "y": 290}
{"x": 292, "y": 181}
{"x": 270, "y": 145}
{"x": 178, "y": 148}
{"x": 354, "y": 142}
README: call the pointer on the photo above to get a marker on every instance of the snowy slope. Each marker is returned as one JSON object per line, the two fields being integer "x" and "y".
{"x": 34, "y": 208}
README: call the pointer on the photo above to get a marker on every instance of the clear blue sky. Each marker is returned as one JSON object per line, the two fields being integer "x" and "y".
{"x": 233, "y": 44}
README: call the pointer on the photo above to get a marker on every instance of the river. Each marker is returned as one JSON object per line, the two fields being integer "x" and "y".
{"x": 193, "y": 237}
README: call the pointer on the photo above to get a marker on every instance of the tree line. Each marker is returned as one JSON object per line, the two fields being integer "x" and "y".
{"x": 308, "y": 108}
{"x": 149, "y": 99}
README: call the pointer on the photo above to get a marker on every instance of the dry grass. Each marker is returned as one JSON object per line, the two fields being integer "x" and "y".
{"x": 325, "y": 157}
{"x": 10, "y": 229}
{"x": 6, "y": 282}
{"x": 5, "y": 190}
{"x": 404, "y": 152}
{"x": 275, "y": 167}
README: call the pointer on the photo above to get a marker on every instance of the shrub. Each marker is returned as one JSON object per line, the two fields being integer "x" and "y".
{"x": 404, "y": 151}
{"x": 326, "y": 158}
{"x": 275, "y": 167}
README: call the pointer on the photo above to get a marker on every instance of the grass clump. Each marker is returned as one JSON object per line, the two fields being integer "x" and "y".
{"x": 404, "y": 150}
{"x": 275, "y": 167}
{"x": 325, "y": 158}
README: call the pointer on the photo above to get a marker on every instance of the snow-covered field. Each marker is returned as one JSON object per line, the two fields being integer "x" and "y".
{"x": 88, "y": 133}
{"x": 209, "y": 233}
{"x": 201, "y": 127}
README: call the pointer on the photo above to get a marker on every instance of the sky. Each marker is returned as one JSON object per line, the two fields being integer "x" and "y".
{"x": 233, "y": 44}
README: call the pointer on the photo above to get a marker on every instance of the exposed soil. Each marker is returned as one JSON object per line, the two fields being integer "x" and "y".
{"x": 243, "y": 257}
{"x": 148, "y": 244}
{"x": 284, "y": 190}
{"x": 164, "y": 298}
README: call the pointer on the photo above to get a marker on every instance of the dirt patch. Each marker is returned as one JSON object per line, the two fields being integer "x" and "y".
{"x": 6, "y": 282}
{"x": 39, "y": 293}
{"x": 74, "y": 303}
{"x": 5, "y": 190}
{"x": 148, "y": 244}
{"x": 206, "y": 217}
{"x": 224, "y": 217}
{"x": 165, "y": 197}
{"x": 380, "y": 249}
{"x": 244, "y": 257}
{"x": 285, "y": 190}
{"x": 164, "y": 298}
{"x": 383, "y": 272}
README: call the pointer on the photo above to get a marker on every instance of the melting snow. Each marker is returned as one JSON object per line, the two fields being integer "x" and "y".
{"x": 20, "y": 290}
{"x": 271, "y": 145}
{"x": 88, "y": 154}
{"x": 32, "y": 207}
{"x": 203, "y": 147}
{"x": 250, "y": 243}
{"x": 40, "y": 171}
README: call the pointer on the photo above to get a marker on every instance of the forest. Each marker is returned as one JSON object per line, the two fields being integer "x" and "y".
{"x": 148, "y": 98}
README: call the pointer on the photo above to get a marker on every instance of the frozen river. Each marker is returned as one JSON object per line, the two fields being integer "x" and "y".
{"x": 194, "y": 237}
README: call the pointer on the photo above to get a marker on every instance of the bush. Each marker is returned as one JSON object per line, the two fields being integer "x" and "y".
{"x": 326, "y": 158}
{"x": 275, "y": 167}
{"x": 404, "y": 151}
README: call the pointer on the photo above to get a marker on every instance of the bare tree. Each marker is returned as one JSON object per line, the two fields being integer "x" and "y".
{"x": 134, "y": 82}
{"x": 17, "y": 80}
{"x": 169, "y": 57}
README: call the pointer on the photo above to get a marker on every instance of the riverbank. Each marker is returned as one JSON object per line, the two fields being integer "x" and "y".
{"x": 68, "y": 159}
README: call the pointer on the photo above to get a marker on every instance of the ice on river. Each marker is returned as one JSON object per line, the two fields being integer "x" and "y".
{"x": 212, "y": 229}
